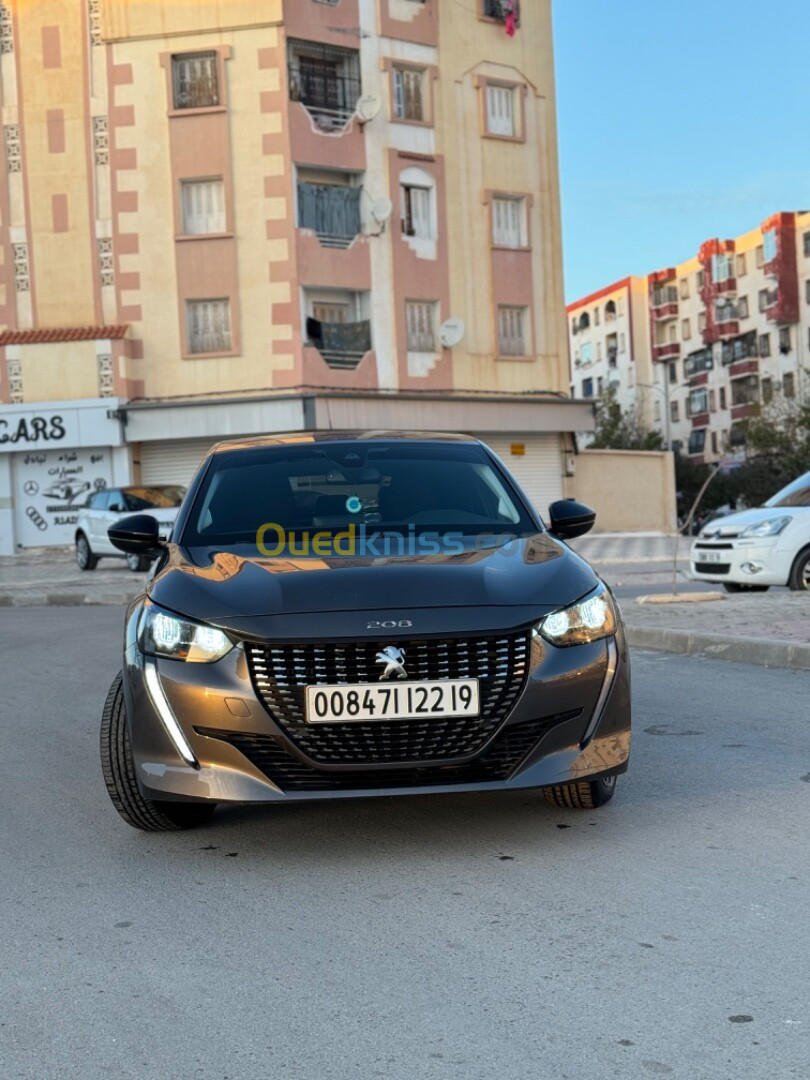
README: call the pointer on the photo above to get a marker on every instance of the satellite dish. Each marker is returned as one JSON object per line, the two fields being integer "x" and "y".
{"x": 451, "y": 332}
{"x": 381, "y": 210}
{"x": 368, "y": 107}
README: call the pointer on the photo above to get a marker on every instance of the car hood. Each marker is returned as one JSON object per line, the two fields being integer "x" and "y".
{"x": 733, "y": 524}
{"x": 535, "y": 574}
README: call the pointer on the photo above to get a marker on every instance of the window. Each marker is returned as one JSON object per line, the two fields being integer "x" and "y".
{"x": 742, "y": 307}
{"x": 203, "y": 203}
{"x": 807, "y": 290}
{"x": 600, "y": 385}
{"x": 721, "y": 267}
{"x": 416, "y": 211}
{"x": 209, "y": 326}
{"x": 789, "y": 385}
{"x": 759, "y": 257}
{"x": 769, "y": 245}
{"x": 764, "y": 344}
{"x": 596, "y": 309}
{"x": 508, "y": 222}
{"x": 501, "y": 110}
{"x": 698, "y": 402}
{"x": 657, "y": 410}
{"x": 622, "y": 342}
{"x": 697, "y": 441}
{"x": 586, "y": 353}
{"x": 763, "y": 299}
{"x": 674, "y": 412}
{"x": 673, "y": 372}
{"x": 784, "y": 340}
{"x": 598, "y": 350}
{"x": 194, "y": 80}
{"x": 767, "y": 391}
{"x": 701, "y": 278}
{"x": 712, "y": 401}
{"x": 684, "y": 288}
{"x": 714, "y": 442}
{"x": 806, "y": 240}
{"x": 686, "y": 330}
{"x": 587, "y": 387}
{"x": 722, "y": 397}
{"x": 511, "y": 331}
{"x": 584, "y": 320}
{"x": 701, "y": 322}
{"x": 409, "y": 94}
{"x": 740, "y": 266}
{"x": 610, "y": 311}
{"x": 745, "y": 391}
{"x": 420, "y": 321}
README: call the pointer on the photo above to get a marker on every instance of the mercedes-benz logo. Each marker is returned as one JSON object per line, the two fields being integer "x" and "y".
{"x": 394, "y": 660}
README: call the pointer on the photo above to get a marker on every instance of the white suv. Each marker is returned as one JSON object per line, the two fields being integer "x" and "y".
{"x": 105, "y": 508}
{"x": 754, "y": 549}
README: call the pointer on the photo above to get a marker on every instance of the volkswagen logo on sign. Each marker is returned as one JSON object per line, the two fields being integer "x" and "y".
{"x": 394, "y": 660}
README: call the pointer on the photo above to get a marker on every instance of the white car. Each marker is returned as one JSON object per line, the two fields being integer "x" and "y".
{"x": 105, "y": 508}
{"x": 754, "y": 549}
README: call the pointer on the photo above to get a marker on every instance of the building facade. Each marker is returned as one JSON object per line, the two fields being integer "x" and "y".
{"x": 230, "y": 218}
{"x": 726, "y": 331}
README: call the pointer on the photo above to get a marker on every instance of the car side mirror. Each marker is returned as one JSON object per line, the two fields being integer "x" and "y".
{"x": 138, "y": 534}
{"x": 570, "y": 518}
{"x": 115, "y": 508}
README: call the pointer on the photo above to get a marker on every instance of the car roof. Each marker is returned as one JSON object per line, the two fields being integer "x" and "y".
{"x": 302, "y": 438}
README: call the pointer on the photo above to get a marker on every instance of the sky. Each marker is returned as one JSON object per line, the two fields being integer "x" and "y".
{"x": 677, "y": 122}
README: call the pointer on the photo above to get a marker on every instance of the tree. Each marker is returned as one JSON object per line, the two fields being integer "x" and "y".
{"x": 777, "y": 443}
{"x": 618, "y": 430}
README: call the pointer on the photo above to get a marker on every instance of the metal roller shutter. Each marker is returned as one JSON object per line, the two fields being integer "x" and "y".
{"x": 172, "y": 462}
{"x": 539, "y": 471}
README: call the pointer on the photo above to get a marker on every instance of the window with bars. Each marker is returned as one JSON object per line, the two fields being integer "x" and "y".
{"x": 416, "y": 211}
{"x": 501, "y": 110}
{"x": 195, "y": 80}
{"x": 209, "y": 325}
{"x": 203, "y": 204}
{"x": 326, "y": 80}
{"x": 409, "y": 94}
{"x": 420, "y": 322}
{"x": 508, "y": 222}
{"x": 511, "y": 331}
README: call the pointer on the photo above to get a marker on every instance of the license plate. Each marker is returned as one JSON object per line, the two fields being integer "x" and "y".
{"x": 391, "y": 701}
{"x": 712, "y": 556}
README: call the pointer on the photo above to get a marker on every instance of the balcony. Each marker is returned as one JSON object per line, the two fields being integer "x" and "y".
{"x": 669, "y": 350}
{"x": 331, "y": 211}
{"x": 325, "y": 80}
{"x": 743, "y": 412}
{"x": 338, "y": 325}
{"x": 664, "y": 302}
{"x": 698, "y": 362}
{"x": 499, "y": 10}
{"x": 743, "y": 367}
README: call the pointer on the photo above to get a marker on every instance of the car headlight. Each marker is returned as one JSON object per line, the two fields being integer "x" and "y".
{"x": 769, "y": 527}
{"x": 589, "y": 620}
{"x": 162, "y": 634}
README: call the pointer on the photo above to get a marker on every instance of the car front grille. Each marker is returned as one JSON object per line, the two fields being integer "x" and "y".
{"x": 281, "y": 673}
{"x": 498, "y": 762}
{"x": 712, "y": 568}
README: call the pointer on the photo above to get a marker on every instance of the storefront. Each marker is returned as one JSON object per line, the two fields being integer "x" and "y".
{"x": 52, "y": 457}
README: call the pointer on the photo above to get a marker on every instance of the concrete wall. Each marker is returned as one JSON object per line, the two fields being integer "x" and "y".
{"x": 630, "y": 490}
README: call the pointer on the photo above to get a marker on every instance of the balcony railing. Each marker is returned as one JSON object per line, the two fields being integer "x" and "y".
{"x": 499, "y": 9}
{"x": 342, "y": 345}
{"x": 330, "y": 210}
{"x": 697, "y": 363}
{"x": 326, "y": 81}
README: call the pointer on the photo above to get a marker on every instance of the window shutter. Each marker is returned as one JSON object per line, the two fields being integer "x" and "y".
{"x": 209, "y": 328}
{"x": 399, "y": 94}
{"x": 506, "y": 222}
{"x": 203, "y": 207}
{"x": 500, "y": 110}
{"x": 420, "y": 212}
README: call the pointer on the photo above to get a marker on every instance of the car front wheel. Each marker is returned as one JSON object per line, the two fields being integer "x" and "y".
{"x": 138, "y": 564}
{"x": 799, "y": 580}
{"x": 585, "y": 795}
{"x": 85, "y": 558}
{"x": 118, "y": 768}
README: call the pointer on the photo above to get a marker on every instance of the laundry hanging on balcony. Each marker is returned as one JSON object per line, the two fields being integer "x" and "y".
{"x": 330, "y": 210}
{"x": 510, "y": 17}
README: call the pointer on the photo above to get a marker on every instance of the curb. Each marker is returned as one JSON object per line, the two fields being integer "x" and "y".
{"x": 741, "y": 650}
{"x": 43, "y": 599}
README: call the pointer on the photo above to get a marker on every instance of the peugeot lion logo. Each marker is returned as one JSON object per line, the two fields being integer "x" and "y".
{"x": 394, "y": 660}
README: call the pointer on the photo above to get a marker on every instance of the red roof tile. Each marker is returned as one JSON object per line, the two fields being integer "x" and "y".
{"x": 62, "y": 333}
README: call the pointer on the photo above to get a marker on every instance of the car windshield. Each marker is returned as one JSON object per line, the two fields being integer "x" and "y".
{"x": 795, "y": 494}
{"x": 326, "y": 489}
{"x": 152, "y": 498}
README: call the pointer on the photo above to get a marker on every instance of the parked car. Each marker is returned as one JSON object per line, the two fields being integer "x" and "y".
{"x": 350, "y": 616}
{"x": 754, "y": 549}
{"x": 105, "y": 508}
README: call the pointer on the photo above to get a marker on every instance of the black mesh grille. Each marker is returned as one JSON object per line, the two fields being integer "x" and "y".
{"x": 712, "y": 568}
{"x": 501, "y": 758}
{"x": 281, "y": 673}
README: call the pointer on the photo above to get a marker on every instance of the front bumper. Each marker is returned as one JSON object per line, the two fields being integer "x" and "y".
{"x": 742, "y": 562}
{"x": 571, "y": 722}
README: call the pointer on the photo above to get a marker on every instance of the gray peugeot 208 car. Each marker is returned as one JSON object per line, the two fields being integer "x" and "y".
{"x": 344, "y": 615}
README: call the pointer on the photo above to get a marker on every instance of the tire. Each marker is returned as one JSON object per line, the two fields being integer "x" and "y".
{"x": 119, "y": 776}
{"x": 586, "y": 795}
{"x": 799, "y": 580}
{"x": 736, "y": 587}
{"x": 138, "y": 564}
{"x": 85, "y": 558}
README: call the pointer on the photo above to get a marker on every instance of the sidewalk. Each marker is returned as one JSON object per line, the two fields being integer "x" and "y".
{"x": 770, "y": 628}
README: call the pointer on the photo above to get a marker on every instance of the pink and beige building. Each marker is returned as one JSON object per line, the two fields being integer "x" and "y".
{"x": 725, "y": 331}
{"x": 222, "y": 217}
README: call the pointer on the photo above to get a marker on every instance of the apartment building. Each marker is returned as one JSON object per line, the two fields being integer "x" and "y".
{"x": 223, "y": 219}
{"x": 728, "y": 329}
{"x": 609, "y": 348}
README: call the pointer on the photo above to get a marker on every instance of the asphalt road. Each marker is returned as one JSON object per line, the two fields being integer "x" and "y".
{"x": 448, "y": 937}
